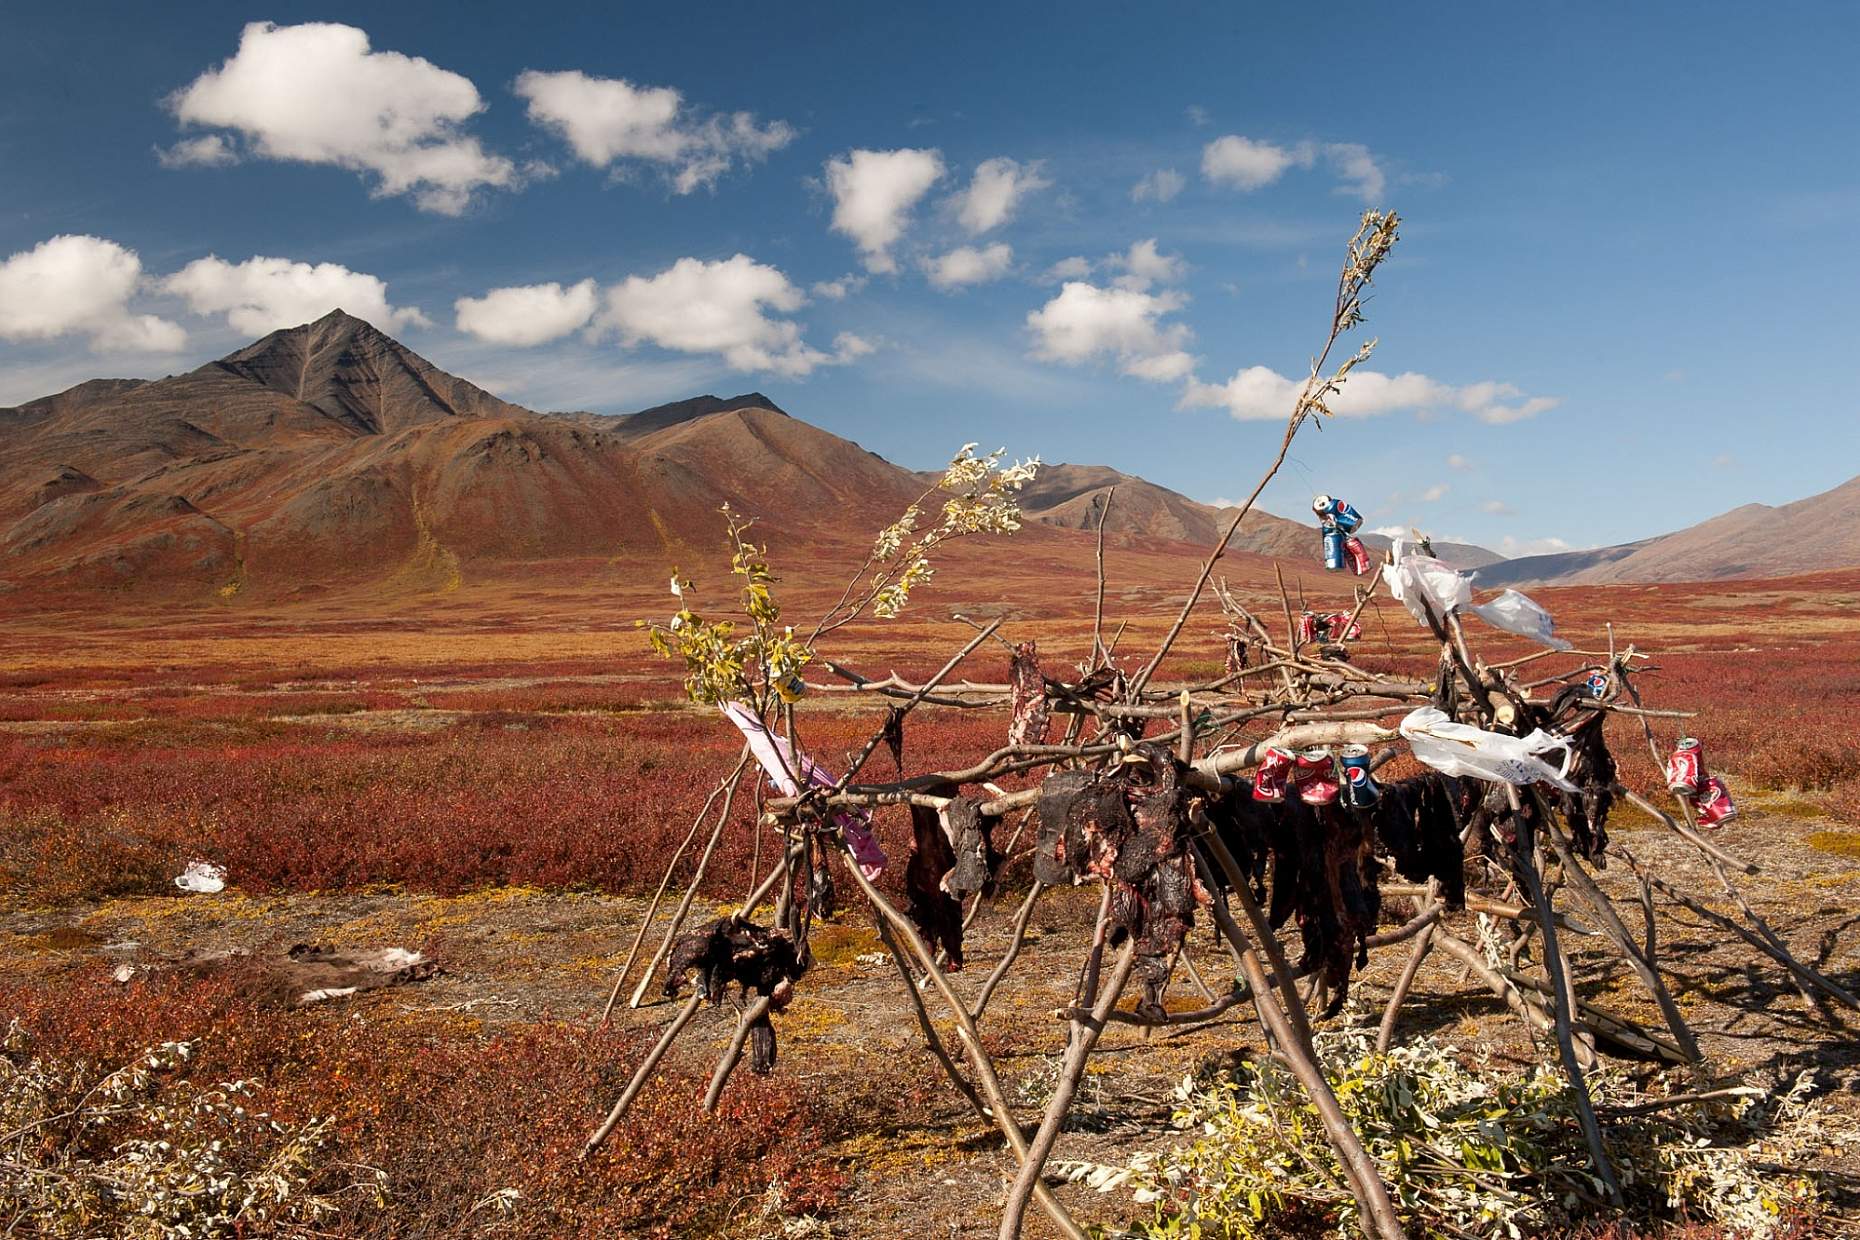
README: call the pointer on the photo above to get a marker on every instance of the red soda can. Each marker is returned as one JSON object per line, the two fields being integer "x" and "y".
{"x": 1685, "y": 770}
{"x": 1307, "y": 627}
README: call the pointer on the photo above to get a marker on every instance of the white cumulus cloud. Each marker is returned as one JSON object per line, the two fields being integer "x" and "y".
{"x": 80, "y": 285}
{"x": 1085, "y": 322}
{"x": 606, "y": 120}
{"x": 967, "y": 264}
{"x": 1144, "y": 266}
{"x": 1159, "y": 186}
{"x": 1456, "y": 461}
{"x": 1433, "y": 493}
{"x": 264, "y": 294}
{"x": 1259, "y": 392}
{"x": 732, "y": 308}
{"x": 994, "y": 193}
{"x": 1359, "y": 171}
{"x": 840, "y": 289}
{"x": 873, "y": 195}
{"x": 1078, "y": 267}
{"x": 207, "y": 151}
{"x": 528, "y": 314}
{"x": 317, "y": 94}
{"x": 1248, "y": 165}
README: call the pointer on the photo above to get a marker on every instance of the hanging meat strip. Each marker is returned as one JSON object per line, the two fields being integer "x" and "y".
{"x": 759, "y": 961}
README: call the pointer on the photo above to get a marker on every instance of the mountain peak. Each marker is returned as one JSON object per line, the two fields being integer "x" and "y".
{"x": 353, "y": 372}
{"x": 661, "y": 416}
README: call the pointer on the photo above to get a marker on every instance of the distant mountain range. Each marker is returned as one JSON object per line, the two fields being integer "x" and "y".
{"x": 330, "y": 452}
{"x": 1756, "y": 540}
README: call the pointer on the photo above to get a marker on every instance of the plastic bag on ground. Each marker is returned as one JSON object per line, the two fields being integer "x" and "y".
{"x": 1421, "y": 583}
{"x": 1454, "y": 748}
{"x": 1519, "y": 613}
{"x": 202, "y": 877}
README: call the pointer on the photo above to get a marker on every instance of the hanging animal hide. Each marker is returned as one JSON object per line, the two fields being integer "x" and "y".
{"x": 935, "y": 913}
{"x": 1417, "y": 823}
{"x": 759, "y": 961}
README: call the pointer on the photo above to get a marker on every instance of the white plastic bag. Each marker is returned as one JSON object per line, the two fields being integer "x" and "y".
{"x": 1414, "y": 579}
{"x": 1521, "y": 614}
{"x": 202, "y": 877}
{"x": 1454, "y": 748}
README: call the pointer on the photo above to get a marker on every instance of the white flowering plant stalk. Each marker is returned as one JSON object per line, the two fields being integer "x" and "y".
{"x": 143, "y": 1153}
{"x": 978, "y": 495}
{"x": 1466, "y": 1151}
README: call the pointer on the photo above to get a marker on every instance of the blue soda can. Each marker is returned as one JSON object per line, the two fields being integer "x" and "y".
{"x": 1347, "y": 518}
{"x": 1359, "y": 790}
{"x": 1333, "y": 549}
{"x": 1598, "y": 685}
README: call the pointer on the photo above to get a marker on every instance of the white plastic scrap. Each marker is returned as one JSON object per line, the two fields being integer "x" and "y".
{"x": 1417, "y": 579}
{"x": 1454, "y": 748}
{"x": 203, "y": 877}
{"x": 1519, "y": 613}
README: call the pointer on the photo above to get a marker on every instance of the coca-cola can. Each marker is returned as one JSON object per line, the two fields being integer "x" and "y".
{"x": 1307, "y": 627}
{"x": 1359, "y": 788}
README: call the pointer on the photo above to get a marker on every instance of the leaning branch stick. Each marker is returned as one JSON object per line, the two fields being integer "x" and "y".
{"x": 643, "y": 1071}
{"x": 697, "y": 879}
{"x": 979, "y": 1062}
{"x": 652, "y": 909}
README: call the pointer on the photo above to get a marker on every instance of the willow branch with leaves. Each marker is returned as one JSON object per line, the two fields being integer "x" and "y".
{"x": 1374, "y": 238}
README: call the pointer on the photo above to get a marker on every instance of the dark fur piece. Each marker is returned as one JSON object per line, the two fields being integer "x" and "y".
{"x": 936, "y": 914}
{"x": 1322, "y": 865}
{"x": 731, "y": 949}
{"x": 1417, "y": 822}
{"x": 1591, "y": 769}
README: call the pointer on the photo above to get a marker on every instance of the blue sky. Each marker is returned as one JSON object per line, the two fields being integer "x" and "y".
{"x": 1096, "y": 233}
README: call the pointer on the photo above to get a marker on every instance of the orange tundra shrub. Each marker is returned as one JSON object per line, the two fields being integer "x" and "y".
{"x": 452, "y": 1113}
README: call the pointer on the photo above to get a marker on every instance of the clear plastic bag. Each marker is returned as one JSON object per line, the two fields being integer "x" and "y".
{"x": 1455, "y": 748}
{"x": 1519, "y": 613}
{"x": 1415, "y": 580}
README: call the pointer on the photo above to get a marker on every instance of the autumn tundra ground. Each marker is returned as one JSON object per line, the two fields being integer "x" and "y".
{"x": 496, "y": 777}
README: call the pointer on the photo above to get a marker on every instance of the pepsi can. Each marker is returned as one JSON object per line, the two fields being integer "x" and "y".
{"x": 1598, "y": 685}
{"x": 1346, "y": 517}
{"x": 1333, "y": 549}
{"x": 1359, "y": 789}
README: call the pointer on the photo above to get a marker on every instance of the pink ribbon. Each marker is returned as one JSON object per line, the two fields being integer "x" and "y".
{"x": 779, "y": 761}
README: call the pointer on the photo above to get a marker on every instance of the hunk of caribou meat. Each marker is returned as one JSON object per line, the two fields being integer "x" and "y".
{"x": 1027, "y": 697}
{"x": 733, "y": 949}
{"x": 971, "y": 834}
{"x": 1591, "y": 769}
{"x": 1127, "y": 825}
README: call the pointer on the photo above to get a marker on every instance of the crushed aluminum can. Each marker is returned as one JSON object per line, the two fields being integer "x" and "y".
{"x": 1307, "y": 627}
{"x": 1333, "y": 549}
{"x": 791, "y": 687}
{"x": 1359, "y": 787}
{"x": 1598, "y": 685}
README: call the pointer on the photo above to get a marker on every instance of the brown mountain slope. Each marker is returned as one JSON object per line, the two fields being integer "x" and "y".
{"x": 1755, "y": 540}
{"x": 1068, "y": 495}
{"x": 329, "y": 452}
